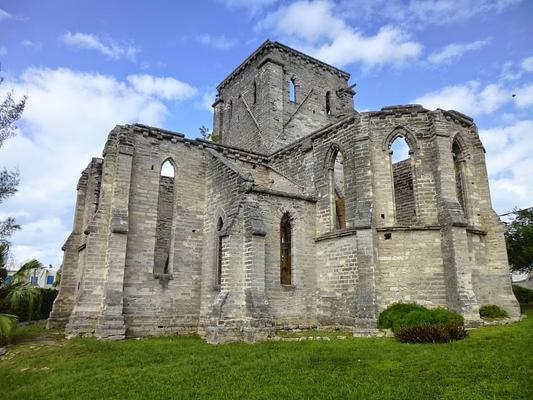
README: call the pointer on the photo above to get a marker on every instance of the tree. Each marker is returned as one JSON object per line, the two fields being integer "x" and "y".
{"x": 208, "y": 135}
{"x": 18, "y": 297}
{"x": 519, "y": 239}
{"x": 10, "y": 112}
{"x": 17, "y": 294}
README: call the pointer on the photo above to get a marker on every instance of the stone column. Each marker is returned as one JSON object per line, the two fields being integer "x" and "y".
{"x": 366, "y": 308}
{"x": 256, "y": 319}
{"x": 458, "y": 271}
{"x": 64, "y": 302}
{"x": 110, "y": 323}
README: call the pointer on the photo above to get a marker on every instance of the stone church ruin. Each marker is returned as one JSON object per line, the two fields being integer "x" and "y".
{"x": 299, "y": 217}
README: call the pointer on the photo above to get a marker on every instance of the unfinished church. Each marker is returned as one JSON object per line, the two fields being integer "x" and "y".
{"x": 298, "y": 217}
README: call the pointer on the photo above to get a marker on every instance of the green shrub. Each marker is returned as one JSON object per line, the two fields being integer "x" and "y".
{"x": 438, "y": 333}
{"x": 399, "y": 315}
{"x": 492, "y": 311}
{"x": 523, "y": 295}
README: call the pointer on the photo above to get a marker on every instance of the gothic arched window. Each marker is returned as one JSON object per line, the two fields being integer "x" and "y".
{"x": 165, "y": 213}
{"x": 403, "y": 182}
{"x": 459, "y": 165}
{"x": 328, "y": 103}
{"x": 285, "y": 233}
{"x": 337, "y": 191}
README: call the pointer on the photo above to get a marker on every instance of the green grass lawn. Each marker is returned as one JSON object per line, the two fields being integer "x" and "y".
{"x": 492, "y": 363}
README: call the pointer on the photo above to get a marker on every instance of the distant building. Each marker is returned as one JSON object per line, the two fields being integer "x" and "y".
{"x": 43, "y": 277}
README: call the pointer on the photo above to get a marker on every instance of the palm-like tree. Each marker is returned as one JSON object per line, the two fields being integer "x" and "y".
{"x": 18, "y": 296}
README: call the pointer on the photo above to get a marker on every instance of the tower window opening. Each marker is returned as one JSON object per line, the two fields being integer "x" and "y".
{"x": 328, "y": 104}
{"x": 292, "y": 91}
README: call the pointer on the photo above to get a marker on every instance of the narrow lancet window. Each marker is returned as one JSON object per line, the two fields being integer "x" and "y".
{"x": 292, "y": 91}
{"x": 328, "y": 103}
{"x": 255, "y": 93}
{"x": 337, "y": 192}
{"x": 458, "y": 163}
{"x": 402, "y": 179}
{"x": 165, "y": 211}
{"x": 285, "y": 250}
{"x": 220, "y": 225}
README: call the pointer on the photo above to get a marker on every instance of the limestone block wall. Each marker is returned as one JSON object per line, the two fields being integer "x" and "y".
{"x": 168, "y": 304}
{"x": 337, "y": 280}
{"x": 410, "y": 268}
{"x": 295, "y": 304}
{"x": 224, "y": 189}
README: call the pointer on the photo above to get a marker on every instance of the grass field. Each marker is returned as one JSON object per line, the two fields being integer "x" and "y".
{"x": 492, "y": 363}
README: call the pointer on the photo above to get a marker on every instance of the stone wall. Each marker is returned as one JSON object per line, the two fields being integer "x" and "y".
{"x": 143, "y": 255}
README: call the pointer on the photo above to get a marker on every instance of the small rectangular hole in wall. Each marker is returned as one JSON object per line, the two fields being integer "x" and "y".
{"x": 160, "y": 326}
{"x": 382, "y": 216}
{"x": 388, "y": 236}
{"x": 152, "y": 167}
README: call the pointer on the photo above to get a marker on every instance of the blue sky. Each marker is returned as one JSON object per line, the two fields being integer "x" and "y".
{"x": 86, "y": 66}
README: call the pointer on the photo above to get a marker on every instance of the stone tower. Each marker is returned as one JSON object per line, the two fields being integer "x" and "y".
{"x": 277, "y": 96}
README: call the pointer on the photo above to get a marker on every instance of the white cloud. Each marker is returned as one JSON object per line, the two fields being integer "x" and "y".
{"x": 509, "y": 164}
{"x": 107, "y": 47}
{"x": 219, "y": 42}
{"x": 31, "y": 44}
{"x": 314, "y": 28}
{"x": 527, "y": 64}
{"x": 208, "y": 98}
{"x": 4, "y": 15}
{"x": 67, "y": 118}
{"x": 163, "y": 88}
{"x": 454, "y": 51}
{"x": 419, "y": 14}
{"x": 471, "y": 98}
{"x": 524, "y": 96}
{"x": 308, "y": 20}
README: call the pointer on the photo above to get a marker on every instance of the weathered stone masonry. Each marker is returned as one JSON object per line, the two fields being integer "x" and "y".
{"x": 202, "y": 251}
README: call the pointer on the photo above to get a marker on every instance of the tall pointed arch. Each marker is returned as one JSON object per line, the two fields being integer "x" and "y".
{"x": 335, "y": 164}
{"x": 285, "y": 245}
{"x": 459, "y": 165}
{"x": 401, "y": 150}
{"x": 165, "y": 217}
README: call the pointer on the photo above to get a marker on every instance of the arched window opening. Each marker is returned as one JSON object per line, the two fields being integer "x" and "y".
{"x": 458, "y": 163}
{"x": 165, "y": 213}
{"x": 338, "y": 192}
{"x": 167, "y": 169}
{"x": 292, "y": 91}
{"x": 220, "y": 225}
{"x": 255, "y": 92}
{"x": 285, "y": 250}
{"x": 402, "y": 179}
{"x": 328, "y": 103}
